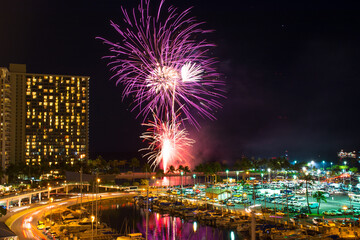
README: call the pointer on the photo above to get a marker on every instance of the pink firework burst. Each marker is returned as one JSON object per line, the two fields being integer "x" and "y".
{"x": 168, "y": 143}
{"x": 163, "y": 64}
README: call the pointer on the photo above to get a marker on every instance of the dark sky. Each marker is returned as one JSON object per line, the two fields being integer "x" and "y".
{"x": 291, "y": 68}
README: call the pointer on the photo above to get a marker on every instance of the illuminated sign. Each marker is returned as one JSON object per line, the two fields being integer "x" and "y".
{"x": 343, "y": 154}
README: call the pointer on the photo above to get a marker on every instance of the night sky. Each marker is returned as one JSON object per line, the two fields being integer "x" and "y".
{"x": 292, "y": 70}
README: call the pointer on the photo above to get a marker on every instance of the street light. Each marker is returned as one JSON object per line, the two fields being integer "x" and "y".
{"x": 323, "y": 162}
{"x": 269, "y": 170}
{"x": 331, "y": 165}
{"x": 295, "y": 177}
{"x": 51, "y": 200}
{"x": 237, "y": 176}
{"x": 97, "y": 191}
{"x": 244, "y": 196}
{"x": 345, "y": 208}
{"x": 49, "y": 193}
{"x": 92, "y": 226}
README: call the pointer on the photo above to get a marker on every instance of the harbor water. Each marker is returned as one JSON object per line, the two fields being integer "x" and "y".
{"x": 129, "y": 218}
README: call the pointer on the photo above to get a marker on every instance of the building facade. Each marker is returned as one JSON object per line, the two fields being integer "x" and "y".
{"x": 5, "y": 117}
{"x": 49, "y": 117}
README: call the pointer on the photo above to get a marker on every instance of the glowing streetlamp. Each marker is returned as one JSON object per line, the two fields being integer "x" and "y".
{"x": 323, "y": 162}
{"x": 345, "y": 208}
{"x": 269, "y": 170}
{"x": 331, "y": 163}
{"x": 237, "y": 176}
{"x": 327, "y": 175}
{"x": 97, "y": 191}
{"x": 295, "y": 177}
{"x": 92, "y": 226}
{"x": 51, "y": 201}
{"x": 49, "y": 193}
{"x": 244, "y": 197}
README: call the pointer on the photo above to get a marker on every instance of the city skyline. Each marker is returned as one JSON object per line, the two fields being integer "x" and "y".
{"x": 290, "y": 69}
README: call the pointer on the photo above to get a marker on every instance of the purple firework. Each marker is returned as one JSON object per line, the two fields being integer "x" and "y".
{"x": 163, "y": 65}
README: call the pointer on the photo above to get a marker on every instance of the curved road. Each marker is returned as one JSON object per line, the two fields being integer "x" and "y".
{"x": 23, "y": 220}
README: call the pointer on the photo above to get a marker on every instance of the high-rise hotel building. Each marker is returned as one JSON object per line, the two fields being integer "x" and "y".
{"x": 44, "y": 117}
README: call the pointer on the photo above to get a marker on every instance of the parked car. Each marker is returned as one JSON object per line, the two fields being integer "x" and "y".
{"x": 328, "y": 213}
{"x": 279, "y": 213}
{"x": 329, "y": 224}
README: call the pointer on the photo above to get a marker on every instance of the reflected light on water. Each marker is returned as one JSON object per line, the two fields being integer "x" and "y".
{"x": 165, "y": 182}
{"x": 160, "y": 226}
{"x": 195, "y": 226}
{"x": 232, "y": 235}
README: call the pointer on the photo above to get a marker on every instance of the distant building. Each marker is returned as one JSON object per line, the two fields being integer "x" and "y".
{"x": 44, "y": 117}
{"x": 216, "y": 193}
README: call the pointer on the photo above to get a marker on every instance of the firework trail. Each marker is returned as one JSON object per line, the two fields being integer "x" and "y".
{"x": 168, "y": 143}
{"x": 163, "y": 65}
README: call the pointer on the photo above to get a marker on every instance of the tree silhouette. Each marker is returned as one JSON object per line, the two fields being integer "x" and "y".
{"x": 308, "y": 181}
{"x": 319, "y": 196}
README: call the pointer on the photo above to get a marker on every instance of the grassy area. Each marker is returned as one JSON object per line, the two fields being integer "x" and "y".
{"x": 315, "y": 215}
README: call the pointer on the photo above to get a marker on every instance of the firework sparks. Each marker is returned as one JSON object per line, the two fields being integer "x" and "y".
{"x": 161, "y": 62}
{"x": 168, "y": 143}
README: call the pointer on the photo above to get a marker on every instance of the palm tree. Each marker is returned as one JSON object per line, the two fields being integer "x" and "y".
{"x": 180, "y": 168}
{"x": 123, "y": 163}
{"x": 134, "y": 163}
{"x": 214, "y": 168}
{"x": 171, "y": 169}
{"x": 187, "y": 169}
{"x": 243, "y": 164}
{"x": 308, "y": 179}
{"x": 159, "y": 173}
{"x": 319, "y": 196}
{"x": 146, "y": 168}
